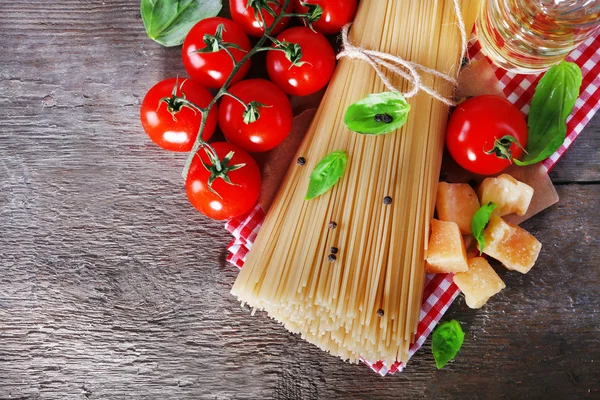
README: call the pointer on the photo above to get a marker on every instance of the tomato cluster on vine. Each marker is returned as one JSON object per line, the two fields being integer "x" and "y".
{"x": 255, "y": 115}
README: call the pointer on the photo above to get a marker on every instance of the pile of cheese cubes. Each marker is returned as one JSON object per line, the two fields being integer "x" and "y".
{"x": 513, "y": 246}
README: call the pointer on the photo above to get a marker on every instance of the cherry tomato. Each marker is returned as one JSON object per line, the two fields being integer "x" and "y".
{"x": 253, "y": 25}
{"x": 176, "y": 131}
{"x": 318, "y": 61}
{"x": 213, "y": 69}
{"x": 270, "y": 129}
{"x": 336, "y": 14}
{"x": 474, "y": 129}
{"x": 227, "y": 200}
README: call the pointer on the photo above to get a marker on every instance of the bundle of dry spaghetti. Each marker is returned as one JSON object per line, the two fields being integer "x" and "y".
{"x": 366, "y": 302}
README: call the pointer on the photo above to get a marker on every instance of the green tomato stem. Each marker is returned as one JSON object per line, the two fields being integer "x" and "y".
{"x": 229, "y": 53}
{"x": 267, "y": 49}
{"x": 233, "y": 96}
{"x": 299, "y": 15}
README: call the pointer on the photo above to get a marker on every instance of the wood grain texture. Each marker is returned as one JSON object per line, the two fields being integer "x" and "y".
{"x": 113, "y": 287}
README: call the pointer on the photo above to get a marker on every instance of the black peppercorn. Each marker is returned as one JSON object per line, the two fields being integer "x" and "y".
{"x": 332, "y": 225}
{"x": 334, "y": 250}
{"x": 380, "y": 312}
{"x": 332, "y": 258}
{"x": 387, "y": 200}
{"x": 385, "y": 118}
{"x": 301, "y": 161}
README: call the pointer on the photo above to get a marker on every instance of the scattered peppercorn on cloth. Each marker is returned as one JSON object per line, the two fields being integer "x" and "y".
{"x": 478, "y": 77}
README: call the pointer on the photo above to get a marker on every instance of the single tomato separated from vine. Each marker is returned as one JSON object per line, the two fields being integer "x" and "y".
{"x": 171, "y": 124}
{"x": 244, "y": 13}
{"x": 273, "y": 124}
{"x": 482, "y": 132}
{"x": 309, "y": 70}
{"x": 225, "y": 200}
{"x": 336, "y": 14}
{"x": 213, "y": 69}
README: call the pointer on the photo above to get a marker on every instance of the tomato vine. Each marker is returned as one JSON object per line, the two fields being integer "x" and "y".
{"x": 215, "y": 43}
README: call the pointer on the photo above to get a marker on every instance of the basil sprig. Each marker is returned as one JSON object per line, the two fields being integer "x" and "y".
{"x": 446, "y": 341}
{"x": 377, "y": 114}
{"x": 480, "y": 220}
{"x": 169, "y": 21}
{"x": 553, "y": 101}
{"x": 326, "y": 173}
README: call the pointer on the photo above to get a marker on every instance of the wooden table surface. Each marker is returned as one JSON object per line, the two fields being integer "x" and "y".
{"x": 112, "y": 286}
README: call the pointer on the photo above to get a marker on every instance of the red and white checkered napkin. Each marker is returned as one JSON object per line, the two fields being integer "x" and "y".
{"x": 439, "y": 290}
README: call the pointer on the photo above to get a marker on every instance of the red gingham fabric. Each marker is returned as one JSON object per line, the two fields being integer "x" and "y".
{"x": 440, "y": 291}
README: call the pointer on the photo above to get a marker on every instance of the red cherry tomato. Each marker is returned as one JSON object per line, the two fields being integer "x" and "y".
{"x": 474, "y": 127}
{"x": 230, "y": 200}
{"x": 318, "y": 58}
{"x": 270, "y": 129}
{"x": 177, "y": 131}
{"x": 336, "y": 14}
{"x": 245, "y": 16}
{"x": 213, "y": 69}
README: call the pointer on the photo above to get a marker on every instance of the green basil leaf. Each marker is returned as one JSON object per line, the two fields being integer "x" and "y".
{"x": 553, "y": 101}
{"x": 377, "y": 114}
{"x": 169, "y": 21}
{"x": 480, "y": 220}
{"x": 446, "y": 341}
{"x": 326, "y": 173}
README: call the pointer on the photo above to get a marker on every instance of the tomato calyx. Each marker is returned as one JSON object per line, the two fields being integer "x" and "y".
{"x": 176, "y": 103}
{"x": 219, "y": 168}
{"x": 251, "y": 110}
{"x": 262, "y": 5}
{"x": 502, "y": 146}
{"x": 252, "y": 113}
{"x": 313, "y": 14}
{"x": 292, "y": 51}
{"x": 214, "y": 43}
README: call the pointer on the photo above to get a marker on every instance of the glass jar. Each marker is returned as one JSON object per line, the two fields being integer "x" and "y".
{"x": 529, "y": 36}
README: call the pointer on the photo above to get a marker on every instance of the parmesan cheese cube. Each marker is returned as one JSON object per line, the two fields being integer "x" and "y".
{"x": 446, "y": 251}
{"x": 457, "y": 202}
{"x": 513, "y": 246}
{"x": 509, "y": 195}
{"x": 479, "y": 283}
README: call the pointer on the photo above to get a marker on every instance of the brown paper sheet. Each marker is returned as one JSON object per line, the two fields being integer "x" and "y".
{"x": 274, "y": 164}
{"x": 476, "y": 79}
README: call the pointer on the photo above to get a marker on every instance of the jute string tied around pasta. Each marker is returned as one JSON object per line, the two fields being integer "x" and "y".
{"x": 395, "y": 64}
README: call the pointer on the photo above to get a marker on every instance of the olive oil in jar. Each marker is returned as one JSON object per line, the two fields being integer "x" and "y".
{"x": 529, "y": 36}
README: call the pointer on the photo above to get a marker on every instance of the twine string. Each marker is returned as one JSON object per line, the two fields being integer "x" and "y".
{"x": 399, "y": 66}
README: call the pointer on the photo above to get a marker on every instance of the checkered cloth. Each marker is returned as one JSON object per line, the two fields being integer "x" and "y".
{"x": 440, "y": 291}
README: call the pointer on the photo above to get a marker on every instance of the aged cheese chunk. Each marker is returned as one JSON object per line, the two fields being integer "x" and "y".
{"x": 509, "y": 195}
{"x": 513, "y": 246}
{"x": 479, "y": 283}
{"x": 457, "y": 202}
{"x": 446, "y": 252}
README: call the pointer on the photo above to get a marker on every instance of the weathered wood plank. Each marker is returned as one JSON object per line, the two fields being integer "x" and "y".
{"x": 112, "y": 286}
{"x": 138, "y": 309}
{"x": 581, "y": 163}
